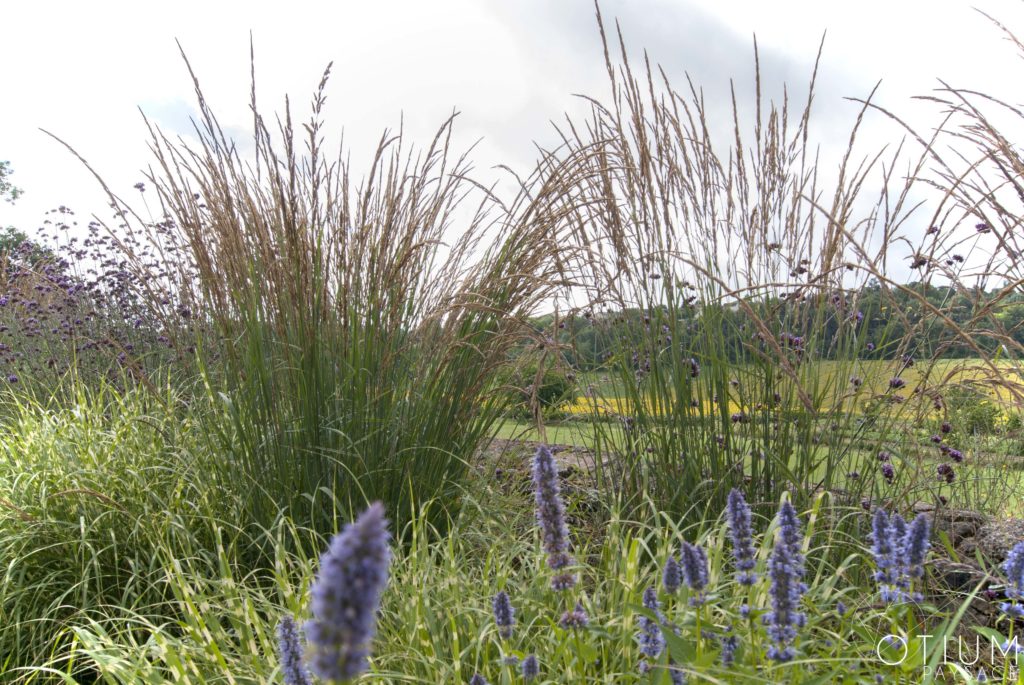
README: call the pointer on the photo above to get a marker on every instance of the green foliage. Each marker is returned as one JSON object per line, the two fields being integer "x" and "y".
{"x": 971, "y": 411}
{"x": 8, "y": 191}
{"x": 90, "y": 492}
{"x": 530, "y": 385}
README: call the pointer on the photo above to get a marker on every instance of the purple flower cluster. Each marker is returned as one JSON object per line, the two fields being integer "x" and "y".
{"x": 738, "y": 516}
{"x": 550, "y": 512}
{"x": 671, "y": 576}
{"x": 1013, "y": 567}
{"x": 695, "y": 571}
{"x": 87, "y": 303}
{"x": 346, "y": 596}
{"x": 786, "y": 572}
{"x": 529, "y": 668}
{"x": 650, "y": 638}
{"x": 575, "y": 618}
{"x": 899, "y": 551}
{"x": 504, "y": 614}
{"x": 289, "y": 651}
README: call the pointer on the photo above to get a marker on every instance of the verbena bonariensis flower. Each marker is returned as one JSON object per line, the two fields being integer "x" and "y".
{"x": 695, "y": 571}
{"x": 346, "y": 596}
{"x": 530, "y": 667}
{"x": 289, "y": 652}
{"x": 785, "y": 569}
{"x": 551, "y": 517}
{"x": 671, "y": 576}
{"x": 738, "y": 517}
{"x": 504, "y": 614}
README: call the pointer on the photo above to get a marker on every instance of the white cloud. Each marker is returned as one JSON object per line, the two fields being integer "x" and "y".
{"x": 81, "y": 70}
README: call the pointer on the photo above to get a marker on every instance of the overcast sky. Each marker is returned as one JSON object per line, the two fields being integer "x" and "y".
{"x": 509, "y": 66}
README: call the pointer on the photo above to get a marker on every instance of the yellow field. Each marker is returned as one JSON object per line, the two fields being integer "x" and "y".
{"x": 828, "y": 384}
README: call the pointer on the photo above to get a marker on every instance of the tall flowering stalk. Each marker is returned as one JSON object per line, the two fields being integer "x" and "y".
{"x": 551, "y": 518}
{"x": 289, "y": 651}
{"x": 650, "y": 638}
{"x": 899, "y": 553}
{"x": 738, "y": 517}
{"x": 671, "y": 576}
{"x": 346, "y": 597}
{"x": 695, "y": 571}
{"x": 1014, "y": 569}
{"x": 504, "y": 614}
{"x": 785, "y": 570}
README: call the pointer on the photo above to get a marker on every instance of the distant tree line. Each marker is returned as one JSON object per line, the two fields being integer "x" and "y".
{"x": 873, "y": 322}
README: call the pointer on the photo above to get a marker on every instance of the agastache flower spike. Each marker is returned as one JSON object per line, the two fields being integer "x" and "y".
{"x": 530, "y": 668}
{"x": 504, "y": 615}
{"x": 1014, "y": 569}
{"x": 671, "y": 576}
{"x": 289, "y": 651}
{"x": 577, "y": 618}
{"x": 916, "y": 545}
{"x": 651, "y": 641}
{"x": 695, "y": 571}
{"x": 551, "y": 517}
{"x": 346, "y": 597}
{"x": 791, "y": 535}
{"x": 785, "y": 569}
{"x": 738, "y": 516}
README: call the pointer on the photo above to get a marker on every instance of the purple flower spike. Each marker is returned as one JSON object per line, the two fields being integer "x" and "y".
{"x": 577, "y": 618}
{"x": 651, "y": 641}
{"x": 671, "y": 576}
{"x": 695, "y": 571}
{"x": 551, "y": 517}
{"x": 1014, "y": 569}
{"x": 504, "y": 615}
{"x": 478, "y": 679}
{"x": 738, "y": 516}
{"x": 289, "y": 652}
{"x": 530, "y": 668}
{"x": 346, "y": 597}
{"x": 917, "y": 544}
{"x": 785, "y": 569}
